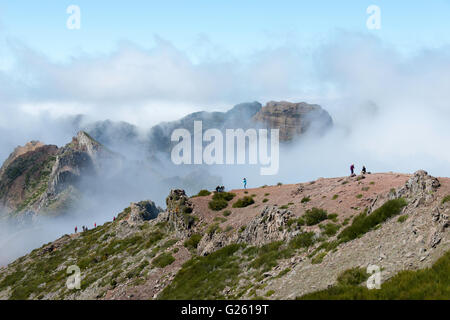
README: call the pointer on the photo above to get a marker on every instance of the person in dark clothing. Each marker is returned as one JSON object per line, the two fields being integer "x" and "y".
{"x": 364, "y": 171}
{"x": 352, "y": 169}
{"x": 76, "y": 229}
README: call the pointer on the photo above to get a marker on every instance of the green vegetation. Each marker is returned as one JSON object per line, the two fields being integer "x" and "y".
{"x": 220, "y": 200}
{"x": 306, "y": 200}
{"x": 244, "y": 202}
{"x": 302, "y": 240}
{"x": 203, "y": 193}
{"x": 314, "y": 216}
{"x": 204, "y": 278}
{"x": 220, "y": 219}
{"x": 298, "y": 222}
{"x": 427, "y": 284}
{"x": 335, "y": 197}
{"x": 365, "y": 189}
{"x": 403, "y": 218}
{"x": 270, "y": 293}
{"x": 330, "y": 229}
{"x": 214, "y": 228}
{"x": 333, "y": 217}
{"x": 226, "y": 213}
{"x": 352, "y": 277}
{"x": 446, "y": 199}
{"x": 364, "y": 223}
{"x": 265, "y": 200}
{"x": 163, "y": 260}
{"x": 284, "y": 272}
{"x": 193, "y": 241}
{"x": 319, "y": 258}
{"x": 269, "y": 254}
{"x": 359, "y": 196}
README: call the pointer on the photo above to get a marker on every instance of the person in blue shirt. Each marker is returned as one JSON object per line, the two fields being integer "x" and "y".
{"x": 245, "y": 183}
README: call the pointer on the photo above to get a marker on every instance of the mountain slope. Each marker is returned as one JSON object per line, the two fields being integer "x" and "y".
{"x": 291, "y": 241}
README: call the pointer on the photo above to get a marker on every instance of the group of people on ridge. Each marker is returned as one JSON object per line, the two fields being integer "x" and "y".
{"x": 352, "y": 170}
{"x": 86, "y": 228}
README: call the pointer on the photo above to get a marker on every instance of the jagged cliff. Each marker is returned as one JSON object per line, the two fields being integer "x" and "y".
{"x": 286, "y": 242}
{"x": 42, "y": 179}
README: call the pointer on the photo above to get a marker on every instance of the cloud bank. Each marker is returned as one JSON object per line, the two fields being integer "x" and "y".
{"x": 391, "y": 111}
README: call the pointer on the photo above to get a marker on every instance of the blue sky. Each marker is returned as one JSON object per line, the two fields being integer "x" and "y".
{"x": 237, "y": 27}
{"x": 150, "y": 61}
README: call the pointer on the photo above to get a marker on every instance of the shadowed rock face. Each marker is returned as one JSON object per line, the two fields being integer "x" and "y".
{"x": 142, "y": 211}
{"x": 294, "y": 119}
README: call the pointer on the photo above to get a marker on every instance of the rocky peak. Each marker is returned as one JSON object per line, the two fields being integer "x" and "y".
{"x": 179, "y": 213}
{"x": 294, "y": 119}
{"x": 177, "y": 201}
{"x": 420, "y": 187}
{"x": 84, "y": 142}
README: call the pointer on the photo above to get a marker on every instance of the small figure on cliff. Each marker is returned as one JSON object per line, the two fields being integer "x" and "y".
{"x": 245, "y": 183}
{"x": 364, "y": 170}
{"x": 352, "y": 169}
{"x": 76, "y": 229}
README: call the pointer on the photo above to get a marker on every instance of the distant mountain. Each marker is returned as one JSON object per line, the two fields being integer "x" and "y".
{"x": 292, "y": 119}
{"x": 43, "y": 179}
{"x": 39, "y": 178}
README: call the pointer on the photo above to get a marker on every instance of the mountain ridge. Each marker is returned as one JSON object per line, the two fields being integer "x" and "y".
{"x": 259, "y": 250}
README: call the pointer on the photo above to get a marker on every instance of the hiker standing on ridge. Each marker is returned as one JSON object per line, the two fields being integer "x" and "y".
{"x": 352, "y": 169}
{"x": 245, "y": 183}
{"x": 364, "y": 170}
{"x": 76, "y": 229}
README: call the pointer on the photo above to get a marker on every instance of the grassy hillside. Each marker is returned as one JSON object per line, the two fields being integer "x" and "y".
{"x": 432, "y": 283}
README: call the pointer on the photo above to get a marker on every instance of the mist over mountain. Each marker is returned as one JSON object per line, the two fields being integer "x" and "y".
{"x": 109, "y": 164}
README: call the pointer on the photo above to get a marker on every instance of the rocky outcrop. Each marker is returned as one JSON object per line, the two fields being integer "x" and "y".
{"x": 294, "y": 119}
{"x": 420, "y": 187}
{"x": 270, "y": 225}
{"x": 179, "y": 213}
{"x": 142, "y": 211}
